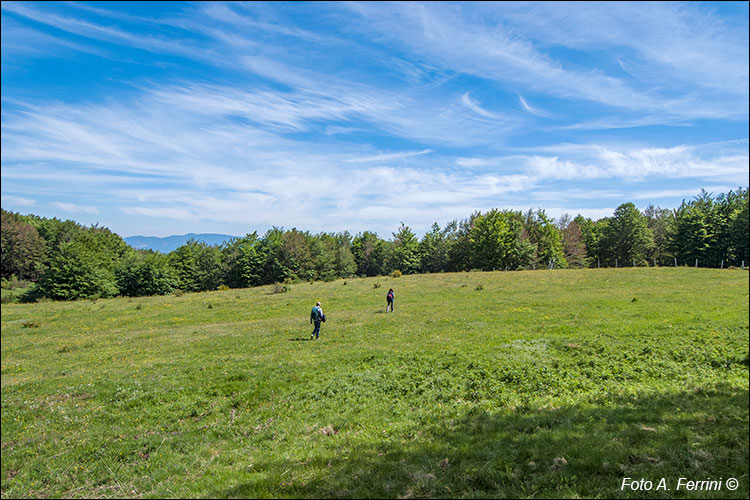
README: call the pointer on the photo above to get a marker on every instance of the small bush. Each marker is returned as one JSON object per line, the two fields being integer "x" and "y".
{"x": 25, "y": 293}
{"x": 479, "y": 287}
{"x": 31, "y": 324}
{"x": 13, "y": 283}
{"x": 222, "y": 288}
{"x": 178, "y": 293}
{"x": 396, "y": 274}
{"x": 280, "y": 288}
{"x": 8, "y": 297}
{"x": 376, "y": 285}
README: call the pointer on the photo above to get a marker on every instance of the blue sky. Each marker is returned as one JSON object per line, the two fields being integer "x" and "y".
{"x": 167, "y": 118}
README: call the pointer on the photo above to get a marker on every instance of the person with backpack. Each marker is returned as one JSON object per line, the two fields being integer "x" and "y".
{"x": 389, "y": 299}
{"x": 316, "y": 316}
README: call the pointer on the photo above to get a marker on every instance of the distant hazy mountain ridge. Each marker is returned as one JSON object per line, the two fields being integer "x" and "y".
{"x": 170, "y": 243}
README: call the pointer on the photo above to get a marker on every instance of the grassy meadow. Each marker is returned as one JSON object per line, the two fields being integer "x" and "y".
{"x": 506, "y": 384}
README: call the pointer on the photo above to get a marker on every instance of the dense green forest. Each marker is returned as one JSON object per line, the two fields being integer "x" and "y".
{"x": 64, "y": 260}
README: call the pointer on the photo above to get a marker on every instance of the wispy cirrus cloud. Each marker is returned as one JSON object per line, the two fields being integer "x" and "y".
{"x": 15, "y": 41}
{"x": 478, "y": 109}
{"x": 81, "y": 27}
{"x": 687, "y": 42}
{"x": 390, "y": 156}
{"x": 512, "y": 50}
{"x": 534, "y": 110}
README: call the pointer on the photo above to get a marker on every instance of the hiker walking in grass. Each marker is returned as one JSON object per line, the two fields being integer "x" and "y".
{"x": 316, "y": 316}
{"x": 389, "y": 299}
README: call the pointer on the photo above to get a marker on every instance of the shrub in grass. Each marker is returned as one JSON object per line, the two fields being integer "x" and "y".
{"x": 8, "y": 297}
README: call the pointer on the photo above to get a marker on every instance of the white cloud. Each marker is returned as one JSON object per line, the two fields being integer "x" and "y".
{"x": 18, "y": 200}
{"x": 390, "y": 156}
{"x": 685, "y": 42}
{"x": 534, "y": 110}
{"x": 683, "y": 194}
{"x": 99, "y": 32}
{"x": 680, "y": 161}
{"x": 333, "y": 130}
{"x": 724, "y": 162}
{"x": 478, "y": 109}
{"x": 72, "y": 207}
{"x": 507, "y": 43}
{"x": 552, "y": 167}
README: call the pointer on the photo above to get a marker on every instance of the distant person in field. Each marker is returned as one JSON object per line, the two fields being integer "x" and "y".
{"x": 316, "y": 316}
{"x": 389, "y": 299}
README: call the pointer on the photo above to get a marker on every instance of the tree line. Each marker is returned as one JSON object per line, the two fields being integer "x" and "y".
{"x": 66, "y": 261}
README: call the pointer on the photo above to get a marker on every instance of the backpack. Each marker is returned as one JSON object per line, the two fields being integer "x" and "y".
{"x": 390, "y": 296}
{"x": 317, "y": 314}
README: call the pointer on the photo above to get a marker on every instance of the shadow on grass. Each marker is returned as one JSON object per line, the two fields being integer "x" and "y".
{"x": 300, "y": 339}
{"x": 580, "y": 451}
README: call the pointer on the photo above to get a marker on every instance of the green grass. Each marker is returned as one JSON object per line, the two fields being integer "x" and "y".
{"x": 508, "y": 384}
